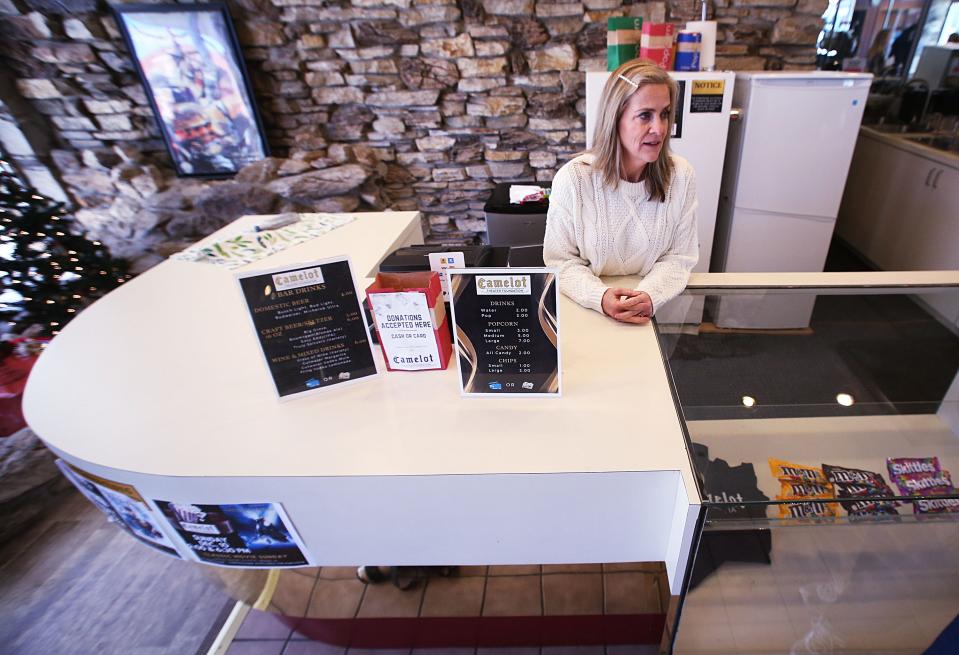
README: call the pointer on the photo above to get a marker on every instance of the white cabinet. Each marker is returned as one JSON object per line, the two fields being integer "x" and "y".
{"x": 901, "y": 209}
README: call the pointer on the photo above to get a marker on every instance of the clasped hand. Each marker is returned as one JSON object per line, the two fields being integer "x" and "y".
{"x": 627, "y": 305}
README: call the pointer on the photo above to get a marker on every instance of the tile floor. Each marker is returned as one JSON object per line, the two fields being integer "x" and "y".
{"x": 263, "y": 634}
{"x": 473, "y": 591}
{"x": 548, "y": 590}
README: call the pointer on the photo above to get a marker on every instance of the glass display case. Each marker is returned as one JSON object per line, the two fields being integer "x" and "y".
{"x": 822, "y": 423}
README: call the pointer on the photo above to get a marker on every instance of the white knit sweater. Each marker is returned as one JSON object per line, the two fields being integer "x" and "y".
{"x": 592, "y": 230}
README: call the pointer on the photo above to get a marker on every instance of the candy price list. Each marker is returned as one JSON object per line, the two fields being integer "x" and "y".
{"x": 507, "y": 338}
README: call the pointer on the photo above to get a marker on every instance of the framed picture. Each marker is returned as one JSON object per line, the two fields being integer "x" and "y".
{"x": 190, "y": 65}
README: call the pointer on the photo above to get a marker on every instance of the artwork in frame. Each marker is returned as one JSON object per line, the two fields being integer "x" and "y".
{"x": 190, "y": 65}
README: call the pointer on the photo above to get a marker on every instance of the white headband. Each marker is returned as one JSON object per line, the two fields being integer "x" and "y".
{"x": 628, "y": 81}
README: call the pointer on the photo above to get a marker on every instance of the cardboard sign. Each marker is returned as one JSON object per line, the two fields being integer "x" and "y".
{"x": 310, "y": 325}
{"x": 410, "y": 320}
{"x": 506, "y": 323}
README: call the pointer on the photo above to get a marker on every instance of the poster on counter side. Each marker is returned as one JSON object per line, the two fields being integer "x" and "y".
{"x": 122, "y": 505}
{"x": 506, "y": 324}
{"x": 248, "y": 535}
{"x": 310, "y": 325}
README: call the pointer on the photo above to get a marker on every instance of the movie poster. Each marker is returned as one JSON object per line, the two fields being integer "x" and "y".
{"x": 249, "y": 535}
{"x": 122, "y": 505}
{"x": 188, "y": 60}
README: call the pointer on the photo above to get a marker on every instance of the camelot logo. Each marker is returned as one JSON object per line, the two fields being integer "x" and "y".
{"x": 503, "y": 285}
{"x": 295, "y": 279}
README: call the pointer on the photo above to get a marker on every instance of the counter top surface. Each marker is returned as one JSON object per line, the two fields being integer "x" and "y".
{"x": 905, "y": 143}
{"x": 164, "y": 376}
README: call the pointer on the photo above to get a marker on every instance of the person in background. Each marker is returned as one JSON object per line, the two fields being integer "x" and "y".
{"x": 953, "y": 38}
{"x": 876, "y": 57}
{"x": 902, "y": 46}
{"x": 627, "y": 205}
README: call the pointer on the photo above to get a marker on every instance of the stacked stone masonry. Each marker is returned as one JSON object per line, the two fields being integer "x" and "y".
{"x": 367, "y": 104}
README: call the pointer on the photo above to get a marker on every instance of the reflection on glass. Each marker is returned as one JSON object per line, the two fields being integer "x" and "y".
{"x": 832, "y": 520}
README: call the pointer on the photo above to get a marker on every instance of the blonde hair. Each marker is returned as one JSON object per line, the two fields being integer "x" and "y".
{"x": 607, "y": 150}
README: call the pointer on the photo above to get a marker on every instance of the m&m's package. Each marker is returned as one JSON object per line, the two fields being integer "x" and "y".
{"x": 862, "y": 489}
{"x": 808, "y": 484}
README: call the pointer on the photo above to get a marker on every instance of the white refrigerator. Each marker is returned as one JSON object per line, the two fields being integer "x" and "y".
{"x": 787, "y": 158}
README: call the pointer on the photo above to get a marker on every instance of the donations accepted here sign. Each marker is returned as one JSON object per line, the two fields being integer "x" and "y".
{"x": 506, "y": 324}
{"x": 310, "y": 325}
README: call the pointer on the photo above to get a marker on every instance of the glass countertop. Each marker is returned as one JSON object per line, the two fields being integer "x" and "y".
{"x": 819, "y": 404}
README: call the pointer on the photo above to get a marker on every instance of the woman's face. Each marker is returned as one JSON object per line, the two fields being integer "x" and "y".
{"x": 643, "y": 125}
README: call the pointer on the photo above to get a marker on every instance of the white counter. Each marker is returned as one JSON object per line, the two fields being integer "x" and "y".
{"x": 161, "y": 385}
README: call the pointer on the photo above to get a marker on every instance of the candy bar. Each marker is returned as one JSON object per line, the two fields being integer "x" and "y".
{"x": 793, "y": 490}
{"x": 807, "y": 510}
{"x": 936, "y": 505}
{"x": 789, "y": 472}
{"x": 905, "y": 465}
{"x": 844, "y": 475}
{"x": 925, "y": 484}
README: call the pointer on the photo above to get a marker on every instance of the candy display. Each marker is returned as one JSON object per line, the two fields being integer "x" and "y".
{"x": 861, "y": 492}
{"x": 923, "y": 476}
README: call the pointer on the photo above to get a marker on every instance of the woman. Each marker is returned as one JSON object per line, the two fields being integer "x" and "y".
{"x": 876, "y": 57}
{"x": 627, "y": 205}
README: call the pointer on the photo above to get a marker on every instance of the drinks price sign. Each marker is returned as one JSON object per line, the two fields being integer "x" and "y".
{"x": 507, "y": 330}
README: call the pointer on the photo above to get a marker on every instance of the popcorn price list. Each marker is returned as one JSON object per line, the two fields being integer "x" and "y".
{"x": 507, "y": 330}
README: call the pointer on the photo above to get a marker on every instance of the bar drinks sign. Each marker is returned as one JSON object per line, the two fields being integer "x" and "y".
{"x": 506, "y": 324}
{"x": 310, "y": 325}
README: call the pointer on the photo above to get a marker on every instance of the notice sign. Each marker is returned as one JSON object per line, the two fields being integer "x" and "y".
{"x": 707, "y": 97}
{"x": 247, "y": 535}
{"x": 507, "y": 330}
{"x": 310, "y": 325}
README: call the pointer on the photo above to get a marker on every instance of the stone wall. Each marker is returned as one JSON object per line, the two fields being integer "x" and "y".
{"x": 436, "y": 100}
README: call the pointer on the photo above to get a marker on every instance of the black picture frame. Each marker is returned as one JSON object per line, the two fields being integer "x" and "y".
{"x": 189, "y": 62}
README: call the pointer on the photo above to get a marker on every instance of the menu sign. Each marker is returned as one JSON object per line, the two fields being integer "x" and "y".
{"x": 507, "y": 330}
{"x": 310, "y": 325}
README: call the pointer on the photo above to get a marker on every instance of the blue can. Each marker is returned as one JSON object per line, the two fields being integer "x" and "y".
{"x": 688, "y": 44}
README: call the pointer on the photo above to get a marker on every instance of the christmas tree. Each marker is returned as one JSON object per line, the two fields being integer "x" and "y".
{"x": 48, "y": 272}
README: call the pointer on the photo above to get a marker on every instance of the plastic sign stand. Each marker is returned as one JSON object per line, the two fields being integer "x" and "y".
{"x": 506, "y": 325}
